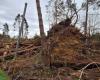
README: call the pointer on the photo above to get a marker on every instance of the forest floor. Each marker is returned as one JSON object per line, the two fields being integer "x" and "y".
{"x": 70, "y": 59}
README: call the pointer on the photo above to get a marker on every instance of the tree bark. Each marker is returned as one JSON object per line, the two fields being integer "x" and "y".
{"x": 86, "y": 23}
{"x": 20, "y": 30}
{"x": 44, "y": 56}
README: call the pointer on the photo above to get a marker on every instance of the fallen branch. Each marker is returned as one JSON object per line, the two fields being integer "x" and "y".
{"x": 82, "y": 70}
{"x": 33, "y": 48}
{"x": 30, "y": 50}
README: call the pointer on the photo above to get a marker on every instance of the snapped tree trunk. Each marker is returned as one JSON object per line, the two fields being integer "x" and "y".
{"x": 44, "y": 56}
{"x": 20, "y": 30}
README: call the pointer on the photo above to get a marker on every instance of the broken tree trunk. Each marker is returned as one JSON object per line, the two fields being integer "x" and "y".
{"x": 21, "y": 29}
{"x": 43, "y": 56}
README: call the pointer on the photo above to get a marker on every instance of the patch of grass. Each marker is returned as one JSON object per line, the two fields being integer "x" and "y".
{"x": 3, "y": 75}
{"x": 76, "y": 79}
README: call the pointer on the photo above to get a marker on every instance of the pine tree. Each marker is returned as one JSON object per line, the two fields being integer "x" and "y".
{"x": 44, "y": 59}
{"x": 6, "y": 29}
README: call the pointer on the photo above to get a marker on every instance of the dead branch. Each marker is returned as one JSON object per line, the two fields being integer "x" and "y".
{"x": 29, "y": 51}
{"x": 82, "y": 70}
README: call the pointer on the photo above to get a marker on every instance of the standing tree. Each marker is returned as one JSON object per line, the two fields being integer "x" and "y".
{"x": 44, "y": 56}
{"x": 41, "y": 26}
{"x": 86, "y": 22}
{"x": 87, "y": 6}
{"x": 21, "y": 24}
{"x": 6, "y": 29}
{"x": 17, "y": 23}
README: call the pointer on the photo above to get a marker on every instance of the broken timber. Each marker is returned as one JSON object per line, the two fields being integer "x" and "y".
{"x": 20, "y": 29}
{"x": 43, "y": 54}
{"x": 28, "y": 52}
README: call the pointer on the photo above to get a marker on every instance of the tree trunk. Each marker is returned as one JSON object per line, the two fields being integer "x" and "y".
{"x": 44, "y": 57}
{"x": 20, "y": 30}
{"x": 85, "y": 28}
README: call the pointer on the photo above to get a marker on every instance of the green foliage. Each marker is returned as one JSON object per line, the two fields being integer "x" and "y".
{"x": 3, "y": 76}
{"x": 76, "y": 79}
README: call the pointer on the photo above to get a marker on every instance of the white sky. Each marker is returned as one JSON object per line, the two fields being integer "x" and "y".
{"x": 10, "y": 8}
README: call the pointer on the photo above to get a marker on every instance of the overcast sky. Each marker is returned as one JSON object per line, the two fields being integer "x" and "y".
{"x": 10, "y": 8}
